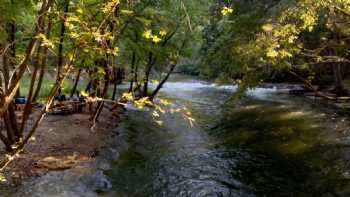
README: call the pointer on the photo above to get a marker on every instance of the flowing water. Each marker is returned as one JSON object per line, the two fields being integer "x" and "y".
{"x": 265, "y": 145}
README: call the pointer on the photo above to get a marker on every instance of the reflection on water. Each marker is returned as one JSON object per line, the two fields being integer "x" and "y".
{"x": 266, "y": 145}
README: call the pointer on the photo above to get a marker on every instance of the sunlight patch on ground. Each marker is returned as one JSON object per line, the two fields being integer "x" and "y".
{"x": 251, "y": 107}
{"x": 294, "y": 114}
{"x": 2, "y": 178}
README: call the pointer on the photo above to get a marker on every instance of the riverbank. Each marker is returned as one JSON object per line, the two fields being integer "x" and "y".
{"x": 340, "y": 104}
{"x": 62, "y": 144}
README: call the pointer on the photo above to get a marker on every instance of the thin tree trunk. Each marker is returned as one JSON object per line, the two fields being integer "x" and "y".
{"x": 7, "y": 143}
{"x": 147, "y": 73}
{"x": 9, "y": 130}
{"x": 104, "y": 94}
{"x": 63, "y": 30}
{"x": 28, "y": 106}
{"x": 136, "y": 77}
{"x": 115, "y": 84}
{"x": 339, "y": 88}
{"x": 5, "y": 72}
{"x": 40, "y": 82}
{"x": 160, "y": 85}
{"x": 120, "y": 75}
{"x": 9, "y": 122}
{"x": 77, "y": 78}
{"x": 12, "y": 119}
{"x": 138, "y": 87}
{"x": 133, "y": 60}
{"x": 1, "y": 84}
{"x": 12, "y": 39}
{"x": 88, "y": 86}
{"x": 42, "y": 63}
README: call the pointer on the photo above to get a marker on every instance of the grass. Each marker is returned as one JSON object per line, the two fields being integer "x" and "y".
{"x": 48, "y": 82}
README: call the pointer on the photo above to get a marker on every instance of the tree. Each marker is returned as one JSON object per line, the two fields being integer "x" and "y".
{"x": 276, "y": 37}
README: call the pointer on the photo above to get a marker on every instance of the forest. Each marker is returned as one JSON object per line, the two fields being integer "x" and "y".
{"x": 174, "y": 97}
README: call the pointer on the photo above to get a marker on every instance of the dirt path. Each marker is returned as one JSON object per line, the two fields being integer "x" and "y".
{"x": 61, "y": 142}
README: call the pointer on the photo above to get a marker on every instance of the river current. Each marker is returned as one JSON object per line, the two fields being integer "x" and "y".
{"x": 267, "y": 144}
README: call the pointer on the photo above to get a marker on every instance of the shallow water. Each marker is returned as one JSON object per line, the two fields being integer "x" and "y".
{"x": 266, "y": 145}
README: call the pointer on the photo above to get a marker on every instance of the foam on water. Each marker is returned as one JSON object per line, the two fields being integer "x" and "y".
{"x": 191, "y": 86}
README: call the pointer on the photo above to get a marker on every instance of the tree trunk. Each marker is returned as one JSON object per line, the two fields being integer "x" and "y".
{"x": 120, "y": 75}
{"x": 160, "y": 85}
{"x": 136, "y": 72}
{"x": 9, "y": 130}
{"x": 339, "y": 88}
{"x": 12, "y": 119}
{"x": 115, "y": 84}
{"x": 28, "y": 106}
{"x": 147, "y": 73}
{"x": 77, "y": 78}
{"x": 40, "y": 81}
{"x": 7, "y": 143}
{"x": 12, "y": 39}
{"x": 133, "y": 59}
{"x": 63, "y": 30}
{"x": 100, "y": 104}
{"x": 9, "y": 120}
{"x": 88, "y": 86}
{"x": 42, "y": 63}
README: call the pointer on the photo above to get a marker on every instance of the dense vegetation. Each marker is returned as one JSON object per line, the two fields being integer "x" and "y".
{"x": 105, "y": 42}
{"x": 268, "y": 40}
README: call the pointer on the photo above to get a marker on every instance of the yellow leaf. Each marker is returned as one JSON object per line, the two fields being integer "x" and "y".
{"x": 161, "y": 110}
{"x": 83, "y": 93}
{"x": 162, "y": 33}
{"x": 80, "y": 11}
{"x": 272, "y": 53}
{"x": 128, "y": 96}
{"x": 115, "y": 51}
{"x": 73, "y": 35}
{"x": 226, "y": 10}
{"x": 267, "y": 27}
{"x": 156, "y": 39}
{"x": 147, "y": 34}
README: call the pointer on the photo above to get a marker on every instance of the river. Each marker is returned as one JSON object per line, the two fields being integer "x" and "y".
{"x": 267, "y": 144}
